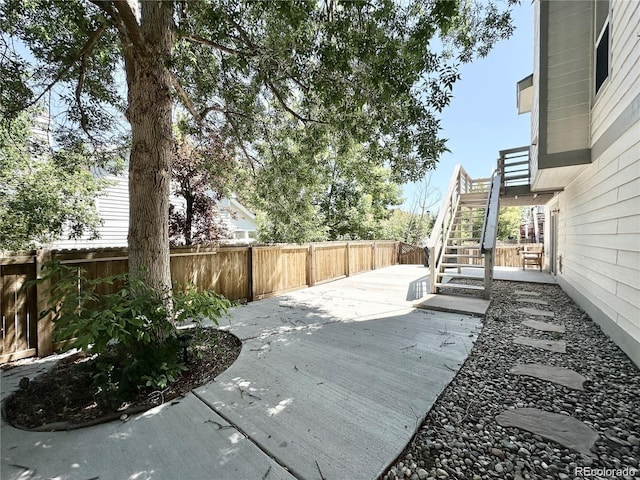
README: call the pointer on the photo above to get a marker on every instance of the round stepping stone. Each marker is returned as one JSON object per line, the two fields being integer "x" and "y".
{"x": 544, "y": 326}
{"x": 527, "y": 292}
{"x": 535, "y": 311}
{"x": 532, "y": 300}
{"x": 558, "y": 346}
{"x": 561, "y": 376}
{"x": 563, "y": 429}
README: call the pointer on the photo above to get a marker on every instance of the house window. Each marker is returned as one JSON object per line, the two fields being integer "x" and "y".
{"x": 602, "y": 44}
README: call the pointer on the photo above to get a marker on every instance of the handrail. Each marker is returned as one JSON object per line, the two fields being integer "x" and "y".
{"x": 456, "y": 187}
{"x": 492, "y": 211}
{"x": 460, "y": 183}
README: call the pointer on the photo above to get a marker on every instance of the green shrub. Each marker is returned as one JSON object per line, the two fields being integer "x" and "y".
{"x": 132, "y": 331}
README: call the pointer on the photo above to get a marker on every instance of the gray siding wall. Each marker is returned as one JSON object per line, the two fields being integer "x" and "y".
{"x": 569, "y": 75}
{"x": 535, "y": 110}
{"x": 599, "y": 211}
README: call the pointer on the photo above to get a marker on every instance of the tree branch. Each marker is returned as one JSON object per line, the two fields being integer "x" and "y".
{"x": 130, "y": 23}
{"x": 295, "y": 114}
{"x": 236, "y": 134}
{"x": 244, "y": 36}
{"x": 93, "y": 40}
{"x": 186, "y": 101}
{"x": 217, "y": 46}
{"x": 84, "y": 51}
{"x": 219, "y": 108}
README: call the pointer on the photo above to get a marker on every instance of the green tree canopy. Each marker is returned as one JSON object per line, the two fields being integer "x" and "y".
{"x": 315, "y": 186}
{"x": 372, "y": 70}
{"x": 43, "y": 195}
{"x": 509, "y": 222}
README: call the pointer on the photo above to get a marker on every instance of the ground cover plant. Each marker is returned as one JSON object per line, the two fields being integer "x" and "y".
{"x": 131, "y": 353}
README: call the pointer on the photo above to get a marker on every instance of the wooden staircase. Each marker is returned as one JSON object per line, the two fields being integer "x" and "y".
{"x": 462, "y": 248}
{"x": 464, "y": 235}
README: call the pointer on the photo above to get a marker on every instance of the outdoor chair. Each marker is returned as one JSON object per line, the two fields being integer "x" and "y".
{"x": 532, "y": 255}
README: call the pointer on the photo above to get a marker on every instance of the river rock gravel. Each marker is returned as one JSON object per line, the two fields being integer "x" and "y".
{"x": 460, "y": 439}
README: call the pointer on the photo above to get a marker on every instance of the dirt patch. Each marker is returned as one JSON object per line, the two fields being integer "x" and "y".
{"x": 65, "y": 397}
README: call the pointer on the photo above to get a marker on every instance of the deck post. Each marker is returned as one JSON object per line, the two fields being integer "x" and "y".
{"x": 45, "y": 324}
{"x": 488, "y": 273}
{"x": 432, "y": 270}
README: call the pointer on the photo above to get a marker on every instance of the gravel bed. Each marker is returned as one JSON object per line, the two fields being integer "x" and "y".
{"x": 460, "y": 439}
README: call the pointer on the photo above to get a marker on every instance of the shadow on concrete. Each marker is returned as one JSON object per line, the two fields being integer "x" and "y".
{"x": 418, "y": 289}
{"x": 342, "y": 396}
{"x": 331, "y": 382}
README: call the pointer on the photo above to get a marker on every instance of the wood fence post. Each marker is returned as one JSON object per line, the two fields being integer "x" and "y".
{"x": 348, "y": 259}
{"x": 253, "y": 274}
{"x": 311, "y": 265}
{"x": 374, "y": 250}
{"x": 43, "y": 302}
{"x": 250, "y": 274}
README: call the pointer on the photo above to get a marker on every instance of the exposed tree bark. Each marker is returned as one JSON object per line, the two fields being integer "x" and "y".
{"x": 149, "y": 113}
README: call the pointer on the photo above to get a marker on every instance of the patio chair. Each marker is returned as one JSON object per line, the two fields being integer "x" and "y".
{"x": 532, "y": 255}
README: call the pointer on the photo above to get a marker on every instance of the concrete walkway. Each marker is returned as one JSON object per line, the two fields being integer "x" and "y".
{"x": 332, "y": 382}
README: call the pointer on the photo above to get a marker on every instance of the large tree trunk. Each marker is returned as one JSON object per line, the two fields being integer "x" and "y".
{"x": 149, "y": 112}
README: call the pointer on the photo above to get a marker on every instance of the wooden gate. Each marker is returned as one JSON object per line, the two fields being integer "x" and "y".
{"x": 18, "y": 312}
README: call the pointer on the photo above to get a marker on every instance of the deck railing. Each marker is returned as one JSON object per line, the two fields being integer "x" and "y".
{"x": 514, "y": 169}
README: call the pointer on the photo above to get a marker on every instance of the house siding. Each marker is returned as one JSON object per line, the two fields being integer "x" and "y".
{"x": 113, "y": 208}
{"x": 567, "y": 62}
{"x": 599, "y": 211}
{"x": 621, "y": 88}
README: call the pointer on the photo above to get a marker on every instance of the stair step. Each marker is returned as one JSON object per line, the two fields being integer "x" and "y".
{"x": 459, "y": 286}
{"x": 461, "y": 255}
{"x": 476, "y": 246}
{"x": 464, "y": 265}
{"x": 457, "y": 275}
{"x": 466, "y": 239}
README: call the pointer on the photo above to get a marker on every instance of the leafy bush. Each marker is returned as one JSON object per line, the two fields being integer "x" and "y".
{"x": 133, "y": 331}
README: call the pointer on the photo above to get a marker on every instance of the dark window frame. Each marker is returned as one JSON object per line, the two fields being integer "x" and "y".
{"x": 602, "y": 48}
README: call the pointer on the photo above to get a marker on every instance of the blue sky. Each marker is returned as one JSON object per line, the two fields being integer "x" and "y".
{"x": 482, "y": 118}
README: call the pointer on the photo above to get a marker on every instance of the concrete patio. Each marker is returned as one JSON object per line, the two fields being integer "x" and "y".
{"x": 332, "y": 382}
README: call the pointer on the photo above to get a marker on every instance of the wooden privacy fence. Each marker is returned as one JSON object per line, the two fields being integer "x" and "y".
{"x": 409, "y": 254}
{"x": 238, "y": 272}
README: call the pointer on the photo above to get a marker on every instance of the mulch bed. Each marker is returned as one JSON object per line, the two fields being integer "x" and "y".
{"x": 64, "y": 397}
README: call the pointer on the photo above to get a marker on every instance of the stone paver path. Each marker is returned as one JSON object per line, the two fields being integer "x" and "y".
{"x": 558, "y": 375}
{"x": 558, "y": 346}
{"x": 544, "y": 326}
{"x": 529, "y": 293}
{"x": 563, "y": 429}
{"x": 559, "y": 428}
{"x": 536, "y": 311}
{"x": 532, "y": 300}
